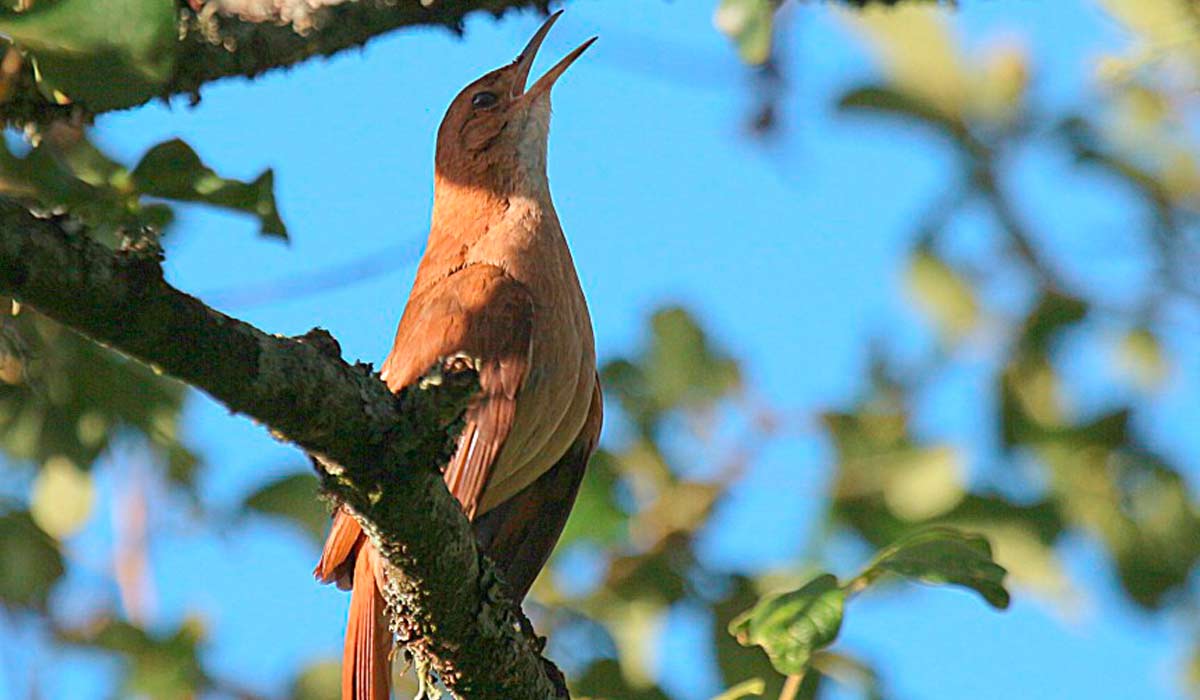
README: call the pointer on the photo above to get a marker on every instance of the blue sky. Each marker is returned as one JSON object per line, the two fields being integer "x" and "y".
{"x": 789, "y": 251}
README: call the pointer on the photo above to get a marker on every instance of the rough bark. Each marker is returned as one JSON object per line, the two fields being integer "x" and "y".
{"x": 375, "y": 452}
{"x": 224, "y": 38}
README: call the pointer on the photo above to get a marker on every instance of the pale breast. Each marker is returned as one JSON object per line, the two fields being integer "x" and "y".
{"x": 554, "y": 400}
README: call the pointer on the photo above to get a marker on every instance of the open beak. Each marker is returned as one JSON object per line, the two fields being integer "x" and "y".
{"x": 524, "y": 62}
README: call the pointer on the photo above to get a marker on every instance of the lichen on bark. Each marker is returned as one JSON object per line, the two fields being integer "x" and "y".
{"x": 379, "y": 453}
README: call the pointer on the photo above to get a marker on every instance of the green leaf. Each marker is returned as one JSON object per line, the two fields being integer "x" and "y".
{"x": 172, "y": 170}
{"x": 682, "y": 368}
{"x": 293, "y": 497}
{"x": 942, "y": 293}
{"x": 596, "y": 517}
{"x": 66, "y": 171}
{"x": 1054, "y": 313}
{"x": 48, "y": 180}
{"x": 657, "y": 575}
{"x": 318, "y": 681}
{"x": 791, "y": 626}
{"x": 888, "y": 101}
{"x": 943, "y": 555}
{"x": 30, "y": 562}
{"x": 1152, "y": 526}
{"x": 1141, "y": 357}
{"x": 73, "y": 395}
{"x": 104, "y": 54}
{"x": 605, "y": 679}
{"x": 750, "y": 24}
{"x": 62, "y": 497}
{"x": 734, "y": 661}
{"x": 160, "y": 666}
{"x": 924, "y": 482}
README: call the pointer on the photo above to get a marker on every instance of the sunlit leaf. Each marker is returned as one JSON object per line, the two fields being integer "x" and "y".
{"x": 1153, "y": 528}
{"x": 924, "y": 483}
{"x": 1141, "y": 357}
{"x": 62, "y": 497}
{"x": 916, "y": 51}
{"x": 1030, "y": 402}
{"x": 680, "y": 370}
{"x": 318, "y": 681}
{"x": 943, "y": 294}
{"x": 1163, "y": 24}
{"x": 681, "y": 507}
{"x": 868, "y": 433}
{"x": 749, "y": 23}
{"x": 792, "y": 626}
{"x": 636, "y": 627}
{"x": 172, "y": 170}
{"x": 682, "y": 366}
{"x": 105, "y": 54}
{"x": 998, "y": 88}
{"x": 942, "y": 555}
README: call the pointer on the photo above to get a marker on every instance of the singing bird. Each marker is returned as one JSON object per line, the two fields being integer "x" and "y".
{"x": 497, "y": 284}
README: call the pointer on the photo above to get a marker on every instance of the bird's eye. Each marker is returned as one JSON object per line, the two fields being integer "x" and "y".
{"x": 483, "y": 100}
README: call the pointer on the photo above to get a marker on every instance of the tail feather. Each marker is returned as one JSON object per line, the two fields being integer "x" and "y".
{"x": 366, "y": 663}
{"x": 337, "y": 559}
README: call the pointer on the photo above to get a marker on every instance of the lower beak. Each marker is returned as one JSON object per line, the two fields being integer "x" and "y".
{"x": 524, "y": 62}
{"x": 545, "y": 82}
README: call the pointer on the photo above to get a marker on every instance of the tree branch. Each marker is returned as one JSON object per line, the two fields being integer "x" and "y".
{"x": 376, "y": 452}
{"x": 224, "y": 38}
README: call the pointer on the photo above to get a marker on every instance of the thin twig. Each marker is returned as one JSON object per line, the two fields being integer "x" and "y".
{"x": 791, "y": 687}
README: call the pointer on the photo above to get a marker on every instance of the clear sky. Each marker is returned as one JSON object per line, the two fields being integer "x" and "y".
{"x": 788, "y": 250}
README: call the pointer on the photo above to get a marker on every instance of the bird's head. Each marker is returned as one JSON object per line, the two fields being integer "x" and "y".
{"x": 494, "y": 134}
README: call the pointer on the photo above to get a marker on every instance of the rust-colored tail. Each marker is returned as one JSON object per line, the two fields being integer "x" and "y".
{"x": 366, "y": 666}
{"x": 351, "y": 561}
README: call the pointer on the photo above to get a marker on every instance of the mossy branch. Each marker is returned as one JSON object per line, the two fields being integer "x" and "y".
{"x": 226, "y": 38}
{"x": 376, "y": 452}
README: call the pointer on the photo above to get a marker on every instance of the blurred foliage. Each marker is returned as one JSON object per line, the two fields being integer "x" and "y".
{"x": 80, "y": 55}
{"x": 31, "y": 559}
{"x": 157, "y": 666}
{"x": 294, "y": 498}
{"x": 61, "y": 170}
{"x": 685, "y": 428}
{"x": 65, "y": 402}
{"x": 64, "y": 399}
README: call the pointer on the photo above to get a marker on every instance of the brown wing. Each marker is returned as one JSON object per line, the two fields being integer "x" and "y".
{"x": 520, "y": 533}
{"x": 481, "y": 312}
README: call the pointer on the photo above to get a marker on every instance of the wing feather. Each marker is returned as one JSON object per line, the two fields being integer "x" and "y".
{"x": 482, "y": 312}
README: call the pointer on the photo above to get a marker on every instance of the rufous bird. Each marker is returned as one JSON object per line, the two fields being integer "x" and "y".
{"x": 497, "y": 284}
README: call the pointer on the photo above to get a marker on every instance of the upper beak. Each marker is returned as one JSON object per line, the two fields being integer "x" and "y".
{"x": 524, "y": 62}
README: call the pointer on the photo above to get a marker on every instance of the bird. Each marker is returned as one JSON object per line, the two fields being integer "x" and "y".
{"x": 496, "y": 284}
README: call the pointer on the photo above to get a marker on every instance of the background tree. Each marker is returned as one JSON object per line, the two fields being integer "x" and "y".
{"x": 1040, "y": 396}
